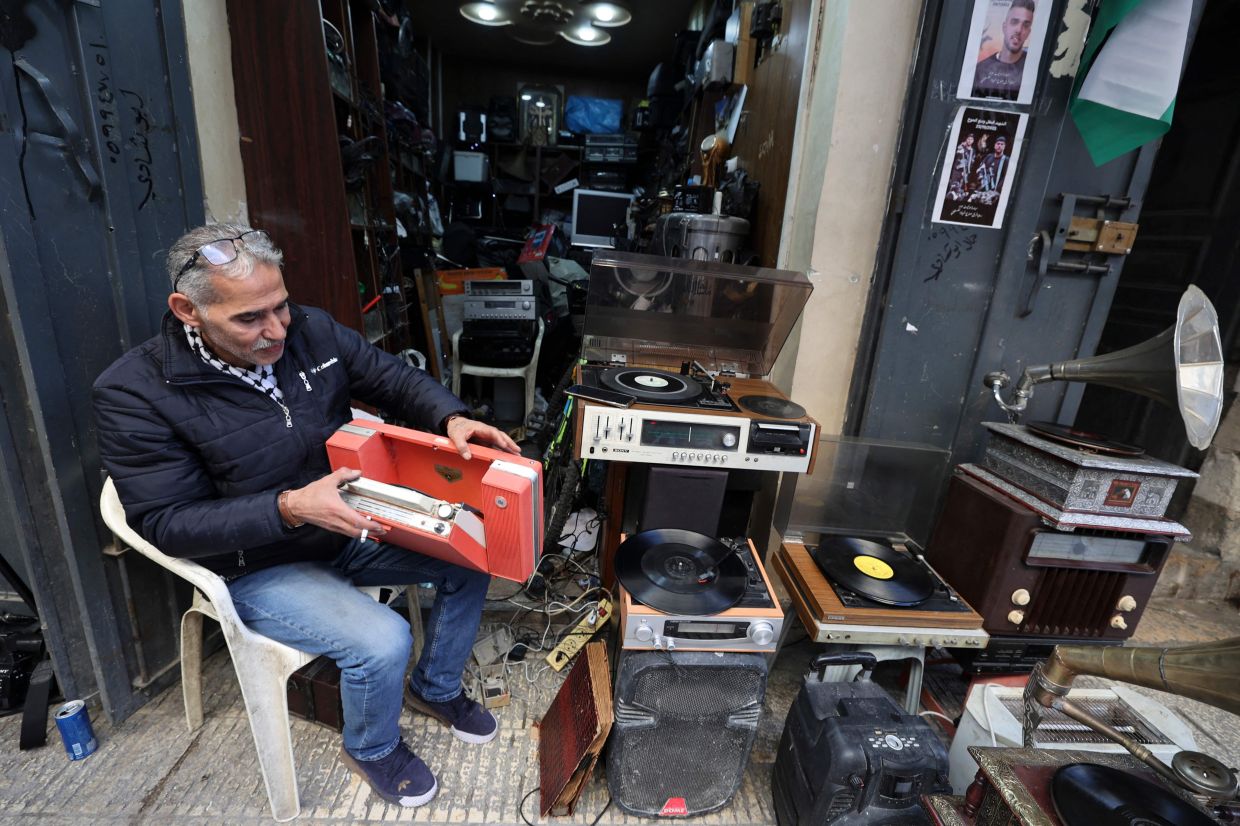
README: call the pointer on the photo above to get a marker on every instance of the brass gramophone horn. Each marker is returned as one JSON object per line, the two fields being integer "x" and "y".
{"x": 1182, "y": 367}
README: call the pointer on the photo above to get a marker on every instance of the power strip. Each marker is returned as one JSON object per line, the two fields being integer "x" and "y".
{"x": 576, "y": 639}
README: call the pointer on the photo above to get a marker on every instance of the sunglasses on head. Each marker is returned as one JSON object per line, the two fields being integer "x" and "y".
{"x": 220, "y": 251}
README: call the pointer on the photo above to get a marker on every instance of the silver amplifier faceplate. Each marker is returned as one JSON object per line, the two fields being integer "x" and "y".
{"x": 670, "y": 437}
{"x": 713, "y": 632}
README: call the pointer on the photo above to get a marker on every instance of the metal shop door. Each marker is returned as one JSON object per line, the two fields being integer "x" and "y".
{"x": 98, "y": 174}
{"x": 955, "y": 301}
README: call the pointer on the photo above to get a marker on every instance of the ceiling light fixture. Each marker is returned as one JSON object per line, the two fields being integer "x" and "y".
{"x": 485, "y": 14}
{"x": 586, "y": 36}
{"x": 537, "y": 22}
{"x": 608, "y": 14}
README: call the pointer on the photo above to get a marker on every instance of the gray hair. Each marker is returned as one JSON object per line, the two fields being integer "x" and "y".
{"x": 196, "y": 282}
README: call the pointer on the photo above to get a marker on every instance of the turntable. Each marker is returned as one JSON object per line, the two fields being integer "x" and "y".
{"x": 850, "y": 555}
{"x": 683, "y": 360}
{"x": 684, "y": 591}
{"x": 1044, "y": 787}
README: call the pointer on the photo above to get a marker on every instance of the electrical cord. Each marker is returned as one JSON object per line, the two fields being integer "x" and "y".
{"x": 531, "y": 792}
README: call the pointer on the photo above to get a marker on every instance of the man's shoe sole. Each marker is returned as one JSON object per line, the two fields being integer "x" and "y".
{"x": 408, "y": 801}
{"x": 415, "y": 702}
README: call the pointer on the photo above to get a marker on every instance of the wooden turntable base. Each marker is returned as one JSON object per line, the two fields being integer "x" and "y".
{"x": 821, "y": 604}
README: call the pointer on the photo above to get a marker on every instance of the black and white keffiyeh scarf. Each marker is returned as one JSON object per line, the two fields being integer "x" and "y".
{"x": 262, "y": 379}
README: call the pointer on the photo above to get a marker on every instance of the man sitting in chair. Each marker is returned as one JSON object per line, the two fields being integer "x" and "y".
{"x": 214, "y": 433}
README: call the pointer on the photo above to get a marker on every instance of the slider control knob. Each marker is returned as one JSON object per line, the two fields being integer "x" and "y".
{"x": 761, "y": 632}
{"x": 1117, "y": 622}
{"x": 644, "y": 633}
{"x": 1016, "y": 617}
{"x": 1020, "y": 597}
{"x": 729, "y": 440}
{"x": 1126, "y": 603}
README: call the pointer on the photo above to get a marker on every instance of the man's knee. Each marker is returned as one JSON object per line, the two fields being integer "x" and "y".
{"x": 389, "y": 640}
{"x": 466, "y": 581}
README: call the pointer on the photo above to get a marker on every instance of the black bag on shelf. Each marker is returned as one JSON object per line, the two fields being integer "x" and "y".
{"x": 502, "y": 119}
{"x": 740, "y": 195}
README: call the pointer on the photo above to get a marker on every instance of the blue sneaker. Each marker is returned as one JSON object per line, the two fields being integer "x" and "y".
{"x": 468, "y": 720}
{"x": 401, "y": 777}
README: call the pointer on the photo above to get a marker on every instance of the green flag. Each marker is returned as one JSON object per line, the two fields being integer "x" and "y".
{"x": 1132, "y": 61}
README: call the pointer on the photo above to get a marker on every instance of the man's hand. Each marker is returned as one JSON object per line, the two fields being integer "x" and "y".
{"x": 319, "y": 503}
{"x": 462, "y": 431}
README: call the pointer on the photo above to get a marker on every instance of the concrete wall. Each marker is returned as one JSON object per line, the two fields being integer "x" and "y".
{"x": 215, "y": 107}
{"x": 851, "y": 103}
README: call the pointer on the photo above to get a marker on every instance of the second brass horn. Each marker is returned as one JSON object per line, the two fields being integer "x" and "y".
{"x": 1182, "y": 367}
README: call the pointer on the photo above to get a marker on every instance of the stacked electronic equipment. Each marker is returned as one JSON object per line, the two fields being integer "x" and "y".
{"x": 1059, "y": 535}
{"x": 667, "y": 344}
{"x": 500, "y": 323}
{"x": 850, "y": 559}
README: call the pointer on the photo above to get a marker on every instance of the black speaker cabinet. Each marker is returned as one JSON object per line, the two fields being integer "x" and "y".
{"x": 687, "y": 498}
{"x": 684, "y": 724}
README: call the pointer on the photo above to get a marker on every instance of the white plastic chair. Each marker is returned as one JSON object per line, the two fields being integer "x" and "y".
{"x": 263, "y": 665}
{"x": 528, "y": 372}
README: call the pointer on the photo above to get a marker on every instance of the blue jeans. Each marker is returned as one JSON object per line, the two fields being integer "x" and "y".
{"x": 315, "y": 607}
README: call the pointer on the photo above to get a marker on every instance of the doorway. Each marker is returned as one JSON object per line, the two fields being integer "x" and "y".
{"x": 1187, "y": 236}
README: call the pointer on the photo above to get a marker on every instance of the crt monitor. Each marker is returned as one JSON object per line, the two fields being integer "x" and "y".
{"x": 595, "y": 213}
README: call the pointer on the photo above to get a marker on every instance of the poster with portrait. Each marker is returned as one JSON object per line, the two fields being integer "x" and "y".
{"x": 977, "y": 173}
{"x": 1003, "y": 50}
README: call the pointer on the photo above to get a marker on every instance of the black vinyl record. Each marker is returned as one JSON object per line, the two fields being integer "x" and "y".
{"x": 1084, "y": 439}
{"x": 649, "y": 384}
{"x": 772, "y": 406}
{"x": 874, "y": 570}
{"x": 680, "y": 572}
{"x": 1086, "y": 794}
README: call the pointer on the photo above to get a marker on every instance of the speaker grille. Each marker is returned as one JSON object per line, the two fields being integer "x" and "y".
{"x": 1074, "y": 603}
{"x": 684, "y": 725}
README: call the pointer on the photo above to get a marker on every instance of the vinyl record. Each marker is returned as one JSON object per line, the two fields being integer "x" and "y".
{"x": 772, "y": 406}
{"x": 874, "y": 570}
{"x": 1083, "y": 439}
{"x": 1086, "y": 794}
{"x": 680, "y": 572}
{"x": 649, "y": 384}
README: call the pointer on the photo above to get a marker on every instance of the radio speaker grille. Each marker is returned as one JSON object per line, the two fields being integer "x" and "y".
{"x": 684, "y": 725}
{"x": 1074, "y": 602}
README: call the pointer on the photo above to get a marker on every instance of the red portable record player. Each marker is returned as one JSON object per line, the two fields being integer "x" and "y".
{"x": 484, "y": 513}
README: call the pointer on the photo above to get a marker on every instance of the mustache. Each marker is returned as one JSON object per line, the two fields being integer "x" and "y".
{"x": 264, "y": 343}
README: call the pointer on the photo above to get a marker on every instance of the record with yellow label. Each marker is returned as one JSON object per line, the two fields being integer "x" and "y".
{"x": 874, "y": 570}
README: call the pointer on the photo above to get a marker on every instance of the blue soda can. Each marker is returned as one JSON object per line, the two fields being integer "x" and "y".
{"x": 74, "y": 724}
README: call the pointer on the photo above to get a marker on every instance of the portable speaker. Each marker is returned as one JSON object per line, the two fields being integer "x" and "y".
{"x": 684, "y": 724}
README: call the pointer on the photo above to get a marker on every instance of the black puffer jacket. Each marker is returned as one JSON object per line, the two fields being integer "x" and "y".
{"x": 199, "y": 457}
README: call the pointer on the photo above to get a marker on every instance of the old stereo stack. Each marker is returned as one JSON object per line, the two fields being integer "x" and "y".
{"x": 500, "y": 323}
{"x": 688, "y": 342}
{"x": 696, "y": 616}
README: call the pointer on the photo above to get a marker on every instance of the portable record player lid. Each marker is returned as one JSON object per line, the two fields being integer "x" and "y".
{"x": 864, "y": 488}
{"x": 655, "y": 311}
